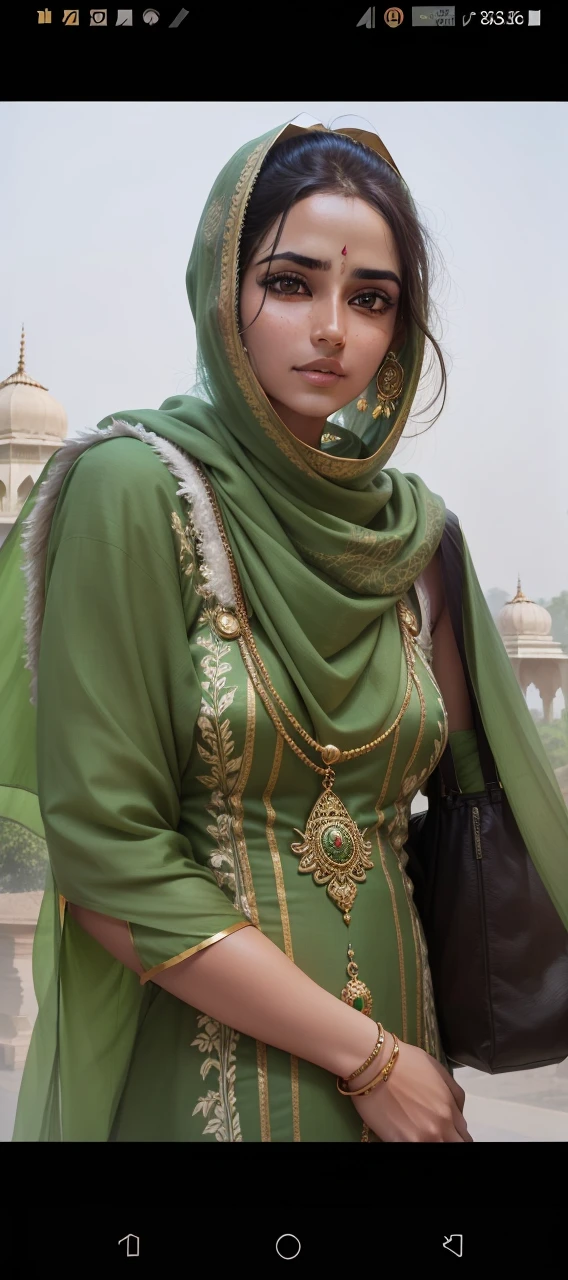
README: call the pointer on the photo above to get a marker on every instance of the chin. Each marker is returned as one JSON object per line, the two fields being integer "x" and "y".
{"x": 315, "y": 406}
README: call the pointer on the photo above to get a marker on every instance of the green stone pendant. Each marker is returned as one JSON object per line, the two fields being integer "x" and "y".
{"x": 334, "y": 851}
{"x": 355, "y": 992}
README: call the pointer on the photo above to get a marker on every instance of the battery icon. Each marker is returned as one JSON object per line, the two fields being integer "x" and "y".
{"x": 534, "y": 17}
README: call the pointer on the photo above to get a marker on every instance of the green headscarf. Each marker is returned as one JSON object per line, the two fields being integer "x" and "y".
{"x": 324, "y": 544}
{"x": 325, "y": 541}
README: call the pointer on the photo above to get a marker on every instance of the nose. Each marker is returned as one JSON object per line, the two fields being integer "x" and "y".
{"x": 328, "y": 324}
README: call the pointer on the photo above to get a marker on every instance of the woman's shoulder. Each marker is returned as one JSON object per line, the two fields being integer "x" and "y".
{"x": 116, "y": 489}
{"x": 119, "y": 464}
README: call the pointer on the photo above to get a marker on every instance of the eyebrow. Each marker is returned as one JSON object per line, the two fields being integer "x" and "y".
{"x": 316, "y": 264}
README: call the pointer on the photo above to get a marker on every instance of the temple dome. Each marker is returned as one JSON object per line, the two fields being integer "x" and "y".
{"x": 27, "y": 411}
{"x": 522, "y": 617}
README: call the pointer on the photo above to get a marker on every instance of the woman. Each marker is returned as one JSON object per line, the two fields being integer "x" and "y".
{"x": 224, "y": 596}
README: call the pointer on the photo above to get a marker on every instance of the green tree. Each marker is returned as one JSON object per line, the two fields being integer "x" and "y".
{"x": 23, "y": 858}
{"x": 558, "y": 610}
{"x": 496, "y": 598}
{"x": 554, "y": 738}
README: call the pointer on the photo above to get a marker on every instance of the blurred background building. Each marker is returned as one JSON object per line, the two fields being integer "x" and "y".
{"x": 32, "y": 426}
{"x": 537, "y": 659}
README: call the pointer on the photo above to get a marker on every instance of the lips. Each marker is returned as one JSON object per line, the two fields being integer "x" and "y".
{"x": 322, "y": 366}
{"x": 321, "y": 373}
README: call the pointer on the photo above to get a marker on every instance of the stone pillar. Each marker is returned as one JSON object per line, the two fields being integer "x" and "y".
{"x": 523, "y": 673}
{"x": 547, "y": 681}
{"x": 18, "y": 1007}
{"x": 564, "y": 682}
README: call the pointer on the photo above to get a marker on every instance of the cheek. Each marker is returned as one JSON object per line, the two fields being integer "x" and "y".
{"x": 273, "y": 333}
{"x": 369, "y": 342}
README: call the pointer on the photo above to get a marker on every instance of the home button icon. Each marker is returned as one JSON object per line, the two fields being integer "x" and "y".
{"x": 288, "y": 1246}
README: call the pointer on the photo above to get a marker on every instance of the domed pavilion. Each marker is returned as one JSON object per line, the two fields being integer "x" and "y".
{"x": 32, "y": 426}
{"x": 537, "y": 659}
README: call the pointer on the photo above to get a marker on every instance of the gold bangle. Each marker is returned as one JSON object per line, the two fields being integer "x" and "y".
{"x": 392, "y": 1060}
{"x": 383, "y": 1075}
{"x": 368, "y": 1061}
{"x": 355, "y": 1093}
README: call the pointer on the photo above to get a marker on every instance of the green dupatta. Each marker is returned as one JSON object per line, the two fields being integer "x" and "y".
{"x": 325, "y": 542}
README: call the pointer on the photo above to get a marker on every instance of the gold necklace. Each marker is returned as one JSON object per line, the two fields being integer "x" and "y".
{"x": 332, "y": 848}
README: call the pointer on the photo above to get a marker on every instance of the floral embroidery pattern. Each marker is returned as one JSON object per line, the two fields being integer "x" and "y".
{"x": 217, "y": 749}
{"x": 186, "y": 557}
{"x": 219, "y": 1106}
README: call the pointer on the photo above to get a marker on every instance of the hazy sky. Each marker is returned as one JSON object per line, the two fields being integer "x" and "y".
{"x": 100, "y": 202}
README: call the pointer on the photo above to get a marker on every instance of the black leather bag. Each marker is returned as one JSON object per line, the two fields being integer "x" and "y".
{"x": 497, "y": 947}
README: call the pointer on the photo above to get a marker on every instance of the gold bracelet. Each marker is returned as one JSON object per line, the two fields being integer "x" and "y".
{"x": 382, "y": 1075}
{"x": 392, "y": 1060}
{"x": 368, "y": 1061}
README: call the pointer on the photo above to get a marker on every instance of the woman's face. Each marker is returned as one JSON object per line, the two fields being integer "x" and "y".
{"x": 330, "y": 312}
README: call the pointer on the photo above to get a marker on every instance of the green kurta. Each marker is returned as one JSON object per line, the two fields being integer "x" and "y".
{"x": 170, "y": 801}
{"x": 165, "y": 796}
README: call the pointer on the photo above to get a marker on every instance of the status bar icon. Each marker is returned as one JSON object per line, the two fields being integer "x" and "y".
{"x": 183, "y": 13}
{"x": 98, "y": 18}
{"x": 124, "y": 18}
{"x": 394, "y": 17}
{"x": 44, "y": 15}
{"x": 431, "y": 15}
{"x": 70, "y": 18}
{"x": 534, "y": 17}
{"x": 368, "y": 19}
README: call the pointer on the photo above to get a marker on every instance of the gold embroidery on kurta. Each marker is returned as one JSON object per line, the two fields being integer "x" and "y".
{"x": 229, "y": 775}
{"x": 217, "y": 750}
{"x": 284, "y": 914}
{"x": 236, "y": 804}
{"x": 150, "y": 974}
{"x": 390, "y": 884}
{"x": 219, "y": 1106}
{"x": 397, "y": 838}
{"x": 427, "y": 1038}
{"x": 186, "y": 556}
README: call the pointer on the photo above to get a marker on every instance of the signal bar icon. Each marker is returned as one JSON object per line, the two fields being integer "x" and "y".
{"x": 368, "y": 19}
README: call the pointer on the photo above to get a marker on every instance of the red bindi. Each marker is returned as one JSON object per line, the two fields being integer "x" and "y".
{"x": 344, "y": 251}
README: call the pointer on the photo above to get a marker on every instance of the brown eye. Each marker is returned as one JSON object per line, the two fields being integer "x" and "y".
{"x": 285, "y": 285}
{"x": 288, "y": 284}
{"x": 377, "y": 303}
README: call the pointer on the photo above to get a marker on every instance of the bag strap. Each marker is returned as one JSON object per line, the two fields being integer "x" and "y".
{"x": 451, "y": 559}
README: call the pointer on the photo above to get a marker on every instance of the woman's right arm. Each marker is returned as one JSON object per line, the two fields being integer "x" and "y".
{"x": 117, "y": 699}
{"x": 248, "y": 983}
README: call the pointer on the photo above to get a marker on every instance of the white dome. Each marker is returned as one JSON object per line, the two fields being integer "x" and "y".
{"x": 27, "y": 409}
{"x": 522, "y": 617}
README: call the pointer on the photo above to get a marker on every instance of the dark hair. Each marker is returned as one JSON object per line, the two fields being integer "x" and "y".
{"x": 319, "y": 162}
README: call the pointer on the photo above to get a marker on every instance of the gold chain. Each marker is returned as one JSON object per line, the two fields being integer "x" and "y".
{"x": 251, "y": 656}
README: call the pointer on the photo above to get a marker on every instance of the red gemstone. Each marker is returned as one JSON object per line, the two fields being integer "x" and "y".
{"x": 338, "y": 842}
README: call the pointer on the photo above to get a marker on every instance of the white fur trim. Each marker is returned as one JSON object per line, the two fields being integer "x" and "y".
{"x": 35, "y": 538}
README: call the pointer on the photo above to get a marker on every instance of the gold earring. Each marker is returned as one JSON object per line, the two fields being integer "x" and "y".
{"x": 390, "y": 381}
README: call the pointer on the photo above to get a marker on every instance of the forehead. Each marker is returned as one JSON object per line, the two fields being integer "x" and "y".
{"x": 323, "y": 220}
